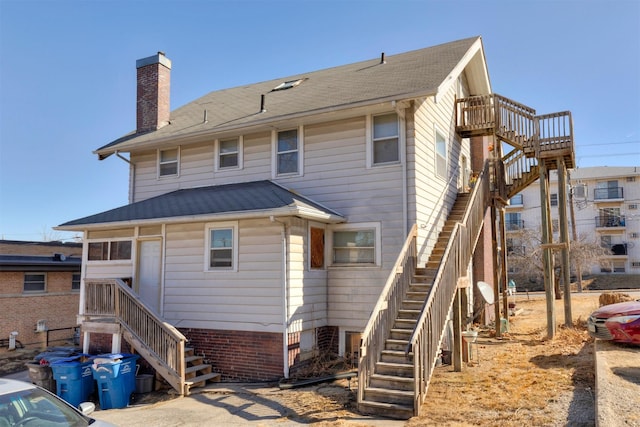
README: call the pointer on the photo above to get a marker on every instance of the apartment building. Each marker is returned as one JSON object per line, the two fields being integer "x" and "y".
{"x": 606, "y": 207}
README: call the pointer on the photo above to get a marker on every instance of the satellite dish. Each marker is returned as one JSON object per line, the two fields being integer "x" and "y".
{"x": 486, "y": 291}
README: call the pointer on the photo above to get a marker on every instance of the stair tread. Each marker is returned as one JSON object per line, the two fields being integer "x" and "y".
{"x": 203, "y": 377}
{"x": 395, "y": 364}
{"x": 404, "y": 393}
{"x": 387, "y": 405}
{"x": 196, "y": 368}
{"x": 192, "y": 358}
{"x": 392, "y": 378}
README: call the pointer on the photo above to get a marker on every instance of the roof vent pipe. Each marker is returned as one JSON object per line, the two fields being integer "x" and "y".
{"x": 205, "y": 120}
{"x": 382, "y": 61}
{"x": 262, "y": 107}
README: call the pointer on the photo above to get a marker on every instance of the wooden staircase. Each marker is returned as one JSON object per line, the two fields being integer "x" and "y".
{"x": 110, "y": 306}
{"x": 390, "y": 392}
{"x": 413, "y": 307}
{"x": 197, "y": 373}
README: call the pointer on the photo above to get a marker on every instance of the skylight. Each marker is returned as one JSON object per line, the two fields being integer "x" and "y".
{"x": 288, "y": 85}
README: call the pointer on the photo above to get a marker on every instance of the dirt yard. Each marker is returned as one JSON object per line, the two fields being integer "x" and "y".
{"x": 520, "y": 379}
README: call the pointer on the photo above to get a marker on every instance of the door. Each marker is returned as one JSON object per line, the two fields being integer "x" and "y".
{"x": 149, "y": 262}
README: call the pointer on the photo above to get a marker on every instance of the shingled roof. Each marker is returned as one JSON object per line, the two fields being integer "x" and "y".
{"x": 407, "y": 75}
{"x": 242, "y": 200}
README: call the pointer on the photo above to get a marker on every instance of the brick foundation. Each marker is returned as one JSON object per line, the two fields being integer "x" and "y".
{"x": 239, "y": 355}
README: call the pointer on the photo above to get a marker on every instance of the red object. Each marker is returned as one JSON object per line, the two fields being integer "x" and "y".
{"x": 616, "y": 322}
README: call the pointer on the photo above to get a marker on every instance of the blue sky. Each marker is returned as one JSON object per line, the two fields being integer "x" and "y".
{"x": 67, "y": 75}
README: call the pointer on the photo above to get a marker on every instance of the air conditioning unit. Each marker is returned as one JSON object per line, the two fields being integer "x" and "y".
{"x": 580, "y": 191}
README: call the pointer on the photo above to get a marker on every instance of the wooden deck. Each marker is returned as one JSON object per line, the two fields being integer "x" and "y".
{"x": 547, "y": 137}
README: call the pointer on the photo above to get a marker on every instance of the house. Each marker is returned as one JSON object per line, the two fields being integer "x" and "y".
{"x": 276, "y": 221}
{"x": 39, "y": 291}
{"x": 605, "y": 204}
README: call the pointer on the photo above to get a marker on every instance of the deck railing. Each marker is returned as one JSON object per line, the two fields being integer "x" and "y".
{"x": 384, "y": 312}
{"x": 555, "y": 132}
{"x": 425, "y": 341}
{"x": 544, "y": 136}
{"x": 160, "y": 343}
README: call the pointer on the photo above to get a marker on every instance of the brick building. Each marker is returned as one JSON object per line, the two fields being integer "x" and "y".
{"x": 39, "y": 289}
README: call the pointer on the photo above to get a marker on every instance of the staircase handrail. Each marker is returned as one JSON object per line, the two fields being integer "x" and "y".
{"x": 161, "y": 343}
{"x": 424, "y": 343}
{"x": 383, "y": 314}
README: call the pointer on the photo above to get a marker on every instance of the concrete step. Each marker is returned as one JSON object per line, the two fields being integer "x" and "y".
{"x": 389, "y": 410}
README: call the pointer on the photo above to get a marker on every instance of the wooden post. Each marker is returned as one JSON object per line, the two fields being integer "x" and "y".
{"x": 503, "y": 266}
{"x": 496, "y": 287}
{"x": 456, "y": 351}
{"x": 547, "y": 254}
{"x": 564, "y": 238}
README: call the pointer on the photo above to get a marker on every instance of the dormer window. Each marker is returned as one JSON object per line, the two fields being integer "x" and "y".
{"x": 287, "y": 85}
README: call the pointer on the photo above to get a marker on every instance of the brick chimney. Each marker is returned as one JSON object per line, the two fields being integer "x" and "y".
{"x": 154, "y": 81}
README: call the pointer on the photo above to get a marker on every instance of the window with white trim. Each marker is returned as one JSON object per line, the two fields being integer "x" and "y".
{"x": 356, "y": 244}
{"x": 222, "y": 247}
{"x": 288, "y": 152}
{"x": 385, "y": 139}
{"x": 229, "y": 153}
{"x": 553, "y": 199}
{"x": 168, "y": 162}
{"x": 110, "y": 250}
{"x": 35, "y": 282}
{"x": 441, "y": 155}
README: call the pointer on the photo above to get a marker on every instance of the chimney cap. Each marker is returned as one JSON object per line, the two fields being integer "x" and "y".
{"x": 158, "y": 58}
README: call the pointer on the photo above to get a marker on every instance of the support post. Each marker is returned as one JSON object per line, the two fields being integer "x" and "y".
{"x": 496, "y": 287}
{"x": 564, "y": 238}
{"x": 456, "y": 352}
{"x": 503, "y": 266}
{"x": 547, "y": 254}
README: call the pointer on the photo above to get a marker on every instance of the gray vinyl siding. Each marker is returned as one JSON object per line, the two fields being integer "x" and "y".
{"x": 431, "y": 194}
{"x": 249, "y": 299}
{"x": 336, "y": 175}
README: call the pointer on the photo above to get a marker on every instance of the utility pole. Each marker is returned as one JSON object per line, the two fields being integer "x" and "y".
{"x": 573, "y": 229}
{"x": 564, "y": 239}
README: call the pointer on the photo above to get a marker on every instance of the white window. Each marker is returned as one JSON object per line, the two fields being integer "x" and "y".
{"x": 553, "y": 199}
{"x": 35, "y": 282}
{"x": 75, "y": 282}
{"x": 110, "y": 250}
{"x": 229, "y": 153}
{"x": 386, "y": 139}
{"x": 168, "y": 162}
{"x": 288, "y": 152}
{"x": 441, "y": 155}
{"x": 222, "y": 247}
{"x": 356, "y": 245}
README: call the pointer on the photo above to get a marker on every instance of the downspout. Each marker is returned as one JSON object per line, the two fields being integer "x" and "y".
{"x": 401, "y": 111}
{"x": 285, "y": 296}
{"x": 132, "y": 177}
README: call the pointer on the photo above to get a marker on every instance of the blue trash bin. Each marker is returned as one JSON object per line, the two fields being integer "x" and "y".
{"x": 74, "y": 379}
{"x": 115, "y": 375}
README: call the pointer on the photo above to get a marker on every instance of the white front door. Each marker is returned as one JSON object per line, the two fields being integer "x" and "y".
{"x": 149, "y": 262}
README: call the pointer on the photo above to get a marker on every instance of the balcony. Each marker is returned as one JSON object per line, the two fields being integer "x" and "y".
{"x": 612, "y": 193}
{"x": 514, "y": 224}
{"x": 610, "y": 221}
{"x": 516, "y": 201}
